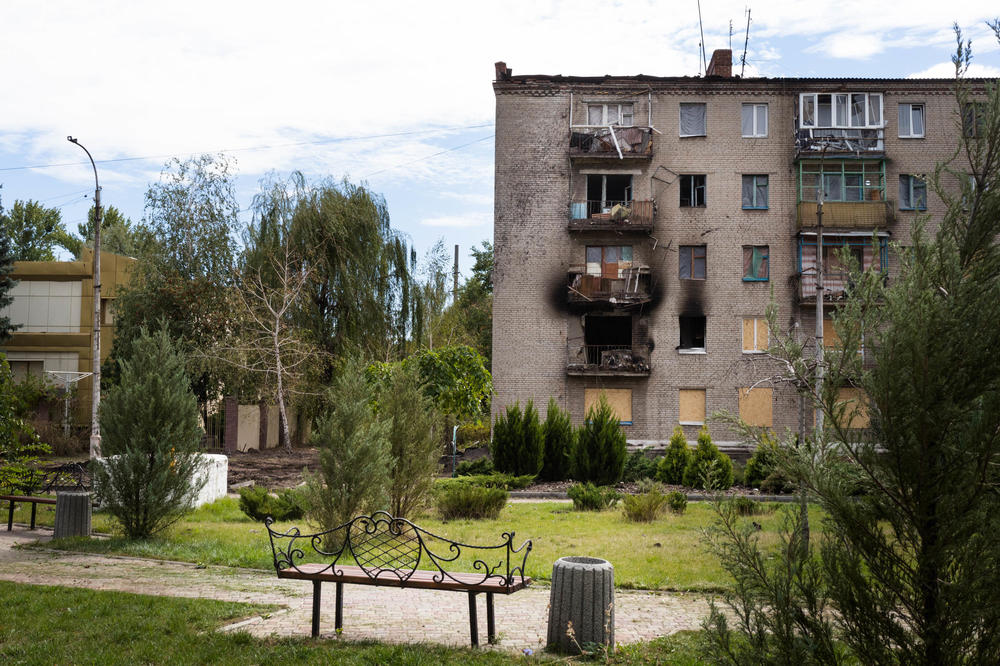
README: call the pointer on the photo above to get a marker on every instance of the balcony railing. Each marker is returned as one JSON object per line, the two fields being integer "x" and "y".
{"x": 848, "y": 214}
{"x": 835, "y": 285}
{"x": 611, "y": 215}
{"x": 813, "y": 141}
{"x": 608, "y": 360}
{"x": 628, "y": 286}
{"x": 611, "y": 142}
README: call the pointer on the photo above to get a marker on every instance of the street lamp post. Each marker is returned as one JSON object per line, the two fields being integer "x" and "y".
{"x": 95, "y": 400}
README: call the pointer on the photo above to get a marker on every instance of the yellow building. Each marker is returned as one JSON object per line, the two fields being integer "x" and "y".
{"x": 53, "y": 304}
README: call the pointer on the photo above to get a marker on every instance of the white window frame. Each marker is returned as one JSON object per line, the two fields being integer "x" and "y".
{"x": 755, "y": 132}
{"x": 870, "y": 100}
{"x": 910, "y": 106}
{"x": 606, "y": 117}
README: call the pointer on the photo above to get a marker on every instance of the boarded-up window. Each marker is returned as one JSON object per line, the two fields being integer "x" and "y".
{"x": 830, "y": 337}
{"x": 692, "y": 407}
{"x": 755, "y": 334}
{"x": 755, "y": 406}
{"x": 855, "y": 408}
{"x": 620, "y": 401}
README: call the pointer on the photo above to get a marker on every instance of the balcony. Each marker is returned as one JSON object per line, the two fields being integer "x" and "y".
{"x": 618, "y": 287}
{"x": 620, "y": 143}
{"x": 607, "y": 360}
{"x": 836, "y": 141}
{"x": 847, "y": 214}
{"x": 611, "y": 216}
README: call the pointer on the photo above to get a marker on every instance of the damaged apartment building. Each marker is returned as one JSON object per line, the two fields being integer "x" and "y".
{"x": 643, "y": 224}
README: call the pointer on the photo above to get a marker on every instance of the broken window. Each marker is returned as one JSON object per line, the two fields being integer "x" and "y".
{"x": 692, "y": 262}
{"x": 691, "y": 403}
{"x": 756, "y": 263}
{"x": 911, "y": 121}
{"x": 912, "y": 192}
{"x": 692, "y": 190}
{"x": 610, "y": 114}
{"x": 606, "y": 333}
{"x": 693, "y": 119}
{"x": 608, "y": 260}
{"x": 692, "y": 333}
{"x": 755, "y": 192}
{"x": 605, "y": 191}
{"x": 847, "y": 110}
{"x": 754, "y": 120}
{"x": 754, "y": 335}
{"x": 755, "y": 406}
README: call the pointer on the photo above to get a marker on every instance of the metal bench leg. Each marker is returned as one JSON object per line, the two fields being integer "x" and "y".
{"x": 33, "y": 507}
{"x": 491, "y": 626}
{"x": 316, "y": 595}
{"x": 10, "y": 517}
{"x": 473, "y": 620}
{"x": 340, "y": 607}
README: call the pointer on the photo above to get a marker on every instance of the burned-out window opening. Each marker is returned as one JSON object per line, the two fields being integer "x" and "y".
{"x": 912, "y": 192}
{"x": 754, "y": 120}
{"x": 605, "y": 191}
{"x": 692, "y": 333}
{"x": 606, "y": 333}
{"x": 911, "y": 121}
{"x": 754, "y": 192}
{"x": 610, "y": 114}
{"x": 692, "y": 262}
{"x": 756, "y": 263}
{"x": 693, "y": 119}
{"x": 692, "y": 190}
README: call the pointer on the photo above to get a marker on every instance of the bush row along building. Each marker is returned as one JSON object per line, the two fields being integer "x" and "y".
{"x": 643, "y": 224}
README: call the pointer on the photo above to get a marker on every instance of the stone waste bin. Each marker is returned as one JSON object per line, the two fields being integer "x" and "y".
{"x": 72, "y": 514}
{"x": 583, "y": 593}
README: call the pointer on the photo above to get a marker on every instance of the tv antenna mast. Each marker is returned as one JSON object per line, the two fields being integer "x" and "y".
{"x": 701, "y": 28}
{"x": 743, "y": 58}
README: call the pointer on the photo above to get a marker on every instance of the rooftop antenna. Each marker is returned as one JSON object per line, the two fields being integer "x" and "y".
{"x": 743, "y": 59}
{"x": 730, "y": 34}
{"x": 701, "y": 28}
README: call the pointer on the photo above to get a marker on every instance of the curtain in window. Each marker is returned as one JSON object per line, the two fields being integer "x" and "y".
{"x": 748, "y": 192}
{"x": 755, "y": 262}
{"x": 692, "y": 119}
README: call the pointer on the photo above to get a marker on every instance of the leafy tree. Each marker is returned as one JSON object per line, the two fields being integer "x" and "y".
{"x": 118, "y": 233}
{"x": 469, "y": 319}
{"x": 151, "y": 437}
{"x": 35, "y": 231}
{"x": 518, "y": 443}
{"x": 560, "y": 438}
{"x": 456, "y": 379}
{"x": 6, "y": 284}
{"x": 600, "y": 451}
{"x": 19, "y": 445}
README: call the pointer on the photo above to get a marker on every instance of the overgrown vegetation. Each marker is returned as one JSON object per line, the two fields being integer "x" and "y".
{"x": 468, "y": 500}
{"x": 588, "y": 497}
{"x": 646, "y": 506}
{"x": 258, "y": 503}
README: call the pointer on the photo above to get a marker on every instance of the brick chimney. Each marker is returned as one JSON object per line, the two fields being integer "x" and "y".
{"x": 721, "y": 64}
{"x": 504, "y": 72}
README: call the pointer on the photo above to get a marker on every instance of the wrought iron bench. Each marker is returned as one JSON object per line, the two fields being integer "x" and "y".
{"x": 382, "y": 550}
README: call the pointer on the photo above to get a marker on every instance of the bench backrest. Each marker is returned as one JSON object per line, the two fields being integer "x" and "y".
{"x": 389, "y": 547}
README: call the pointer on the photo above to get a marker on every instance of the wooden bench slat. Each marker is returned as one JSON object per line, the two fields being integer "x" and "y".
{"x": 462, "y": 582}
{"x": 28, "y": 498}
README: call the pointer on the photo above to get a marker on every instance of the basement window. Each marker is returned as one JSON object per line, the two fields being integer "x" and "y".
{"x": 692, "y": 191}
{"x": 692, "y": 334}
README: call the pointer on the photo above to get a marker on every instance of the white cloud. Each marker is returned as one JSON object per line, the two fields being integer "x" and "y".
{"x": 478, "y": 219}
{"x": 845, "y": 45}
{"x": 946, "y": 70}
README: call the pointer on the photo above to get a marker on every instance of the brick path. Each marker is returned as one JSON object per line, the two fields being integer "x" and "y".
{"x": 382, "y": 614}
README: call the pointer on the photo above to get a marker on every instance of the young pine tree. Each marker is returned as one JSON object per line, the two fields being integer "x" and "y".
{"x": 600, "y": 451}
{"x": 559, "y": 439}
{"x": 708, "y": 466}
{"x": 671, "y": 467}
{"x": 518, "y": 442}
{"x": 151, "y": 434}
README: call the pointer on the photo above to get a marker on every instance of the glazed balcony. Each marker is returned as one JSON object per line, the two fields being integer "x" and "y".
{"x": 619, "y": 287}
{"x": 611, "y": 216}
{"x": 619, "y": 143}
{"x": 847, "y": 214}
{"x": 607, "y": 360}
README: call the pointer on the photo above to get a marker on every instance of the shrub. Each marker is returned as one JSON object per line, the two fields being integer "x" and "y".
{"x": 258, "y": 503}
{"x": 646, "y": 506}
{"x": 471, "y": 467}
{"x": 639, "y": 466}
{"x": 677, "y": 501}
{"x": 354, "y": 454}
{"x": 777, "y": 482}
{"x": 672, "y": 465}
{"x": 151, "y": 436}
{"x": 465, "y": 500}
{"x": 763, "y": 461}
{"x": 495, "y": 480}
{"x": 599, "y": 453}
{"x": 709, "y": 465}
{"x": 472, "y": 435}
{"x": 745, "y": 506}
{"x": 19, "y": 445}
{"x": 559, "y": 439}
{"x": 588, "y": 497}
{"x": 518, "y": 443}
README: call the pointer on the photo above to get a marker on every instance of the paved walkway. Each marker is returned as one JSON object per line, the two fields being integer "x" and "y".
{"x": 375, "y": 613}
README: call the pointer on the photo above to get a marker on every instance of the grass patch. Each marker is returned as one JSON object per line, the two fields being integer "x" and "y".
{"x": 665, "y": 554}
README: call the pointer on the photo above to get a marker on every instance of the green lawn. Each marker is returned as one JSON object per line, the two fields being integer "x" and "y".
{"x": 667, "y": 554}
{"x": 59, "y": 625}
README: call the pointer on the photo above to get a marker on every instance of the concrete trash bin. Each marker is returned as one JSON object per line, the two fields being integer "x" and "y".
{"x": 72, "y": 514}
{"x": 582, "y": 597}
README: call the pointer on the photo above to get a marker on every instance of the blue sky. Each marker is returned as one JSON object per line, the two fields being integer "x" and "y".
{"x": 396, "y": 94}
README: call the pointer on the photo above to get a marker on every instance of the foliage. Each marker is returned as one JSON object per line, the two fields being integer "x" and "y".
{"x": 763, "y": 462}
{"x": 646, "y": 506}
{"x": 494, "y": 480}
{"x": 588, "y": 497}
{"x": 414, "y": 443}
{"x": 518, "y": 442}
{"x": 560, "y": 438}
{"x": 676, "y": 459}
{"x": 19, "y": 445}
{"x": 456, "y": 379}
{"x": 599, "y": 454}
{"x": 777, "y": 483}
{"x": 118, "y": 234}
{"x": 257, "y": 502}
{"x": 469, "y": 319}
{"x": 6, "y": 283}
{"x": 746, "y": 506}
{"x": 708, "y": 468}
{"x": 466, "y": 500}
{"x": 355, "y": 458}
{"x": 677, "y": 501}
{"x": 639, "y": 466}
{"x": 473, "y": 435}
{"x": 35, "y": 231}
{"x": 472, "y": 467}
{"x": 151, "y": 436}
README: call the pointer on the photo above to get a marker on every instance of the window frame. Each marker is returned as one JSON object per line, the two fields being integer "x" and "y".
{"x": 767, "y": 258}
{"x": 756, "y": 324}
{"x": 910, "y": 181}
{"x": 754, "y": 186}
{"x": 680, "y": 125}
{"x": 691, "y": 250}
{"x": 607, "y": 106}
{"x": 836, "y": 107}
{"x": 704, "y": 406}
{"x": 693, "y": 188}
{"x": 910, "y": 107}
{"x": 755, "y": 132}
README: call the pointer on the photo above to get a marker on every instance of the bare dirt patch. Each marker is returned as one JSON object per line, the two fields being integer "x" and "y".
{"x": 276, "y": 468}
